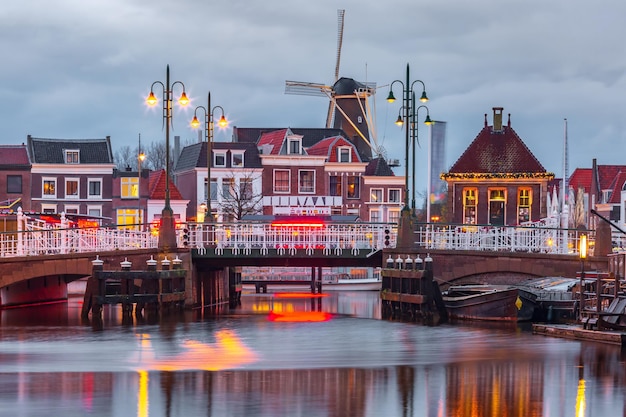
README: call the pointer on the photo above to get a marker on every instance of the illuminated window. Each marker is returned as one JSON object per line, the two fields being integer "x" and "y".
{"x": 72, "y": 156}
{"x": 306, "y": 183}
{"x": 71, "y": 188}
{"x": 281, "y": 181}
{"x": 470, "y": 202}
{"x": 524, "y": 201}
{"x": 335, "y": 186}
{"x": 49, "y": 188}
{"x": 376, "y": 195}
{"x": 129, "y": 187}
{"x": 354, "y": 187}
{"x": 128, "y": 218}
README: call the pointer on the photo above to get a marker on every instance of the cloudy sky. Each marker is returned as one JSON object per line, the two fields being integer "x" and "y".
{"x": 82, "y": 68}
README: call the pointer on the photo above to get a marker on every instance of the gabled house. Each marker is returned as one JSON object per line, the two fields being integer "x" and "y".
{"x": 236, "y": 173}
{"x": 72, "y": 176}
{"x": 156, "y": 198}
{"x": 497, "y": 180}
{"x": 130, "y": 197}
{"x": 14, "y": 178}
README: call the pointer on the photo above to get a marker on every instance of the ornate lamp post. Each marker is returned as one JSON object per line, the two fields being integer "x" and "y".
{"x": 140, "y": 158}
{"x": 414, "y": 142}
{"x": 167, "y": 232}
{"x": 208, "y": 134}
{"x": 405, "y": 226}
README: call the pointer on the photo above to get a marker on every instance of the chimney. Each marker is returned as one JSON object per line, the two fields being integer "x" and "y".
{"x": 497, "y": 119}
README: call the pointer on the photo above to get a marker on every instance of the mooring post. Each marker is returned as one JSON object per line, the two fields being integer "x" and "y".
{"x": 92, "y": 289}
{"x": 125, "y": 284}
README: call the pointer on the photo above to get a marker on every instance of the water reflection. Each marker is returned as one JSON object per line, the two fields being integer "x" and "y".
{"x": 241, "y": 363}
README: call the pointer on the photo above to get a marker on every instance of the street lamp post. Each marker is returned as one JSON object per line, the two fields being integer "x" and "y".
{"x": 410, "y": 112}
{"x": 208, "y": 133}
{"x": 140, "y": 159}
{"x": 167, "y": 231}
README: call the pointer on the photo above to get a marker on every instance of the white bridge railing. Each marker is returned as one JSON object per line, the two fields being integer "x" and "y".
{"x": 39, "y": 238}
{"x": 333, "y": 238}
{"x": 502, "y": 238}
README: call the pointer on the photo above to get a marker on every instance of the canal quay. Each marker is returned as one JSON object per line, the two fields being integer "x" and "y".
{"x": 295, "y": 354}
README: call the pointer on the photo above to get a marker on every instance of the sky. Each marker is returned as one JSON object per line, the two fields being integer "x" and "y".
{"x": 77, "y": 69}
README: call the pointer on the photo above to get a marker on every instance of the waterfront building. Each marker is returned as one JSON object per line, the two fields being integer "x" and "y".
{"x": 14, "y": 178}
{"x": 497, "y": 180}
{"x": 236, "y": 173}
{"x": 72, "y": 176}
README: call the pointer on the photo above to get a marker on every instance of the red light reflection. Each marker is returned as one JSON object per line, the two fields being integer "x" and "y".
{"x": 299, "y": 316}
{"x": 298, "y": 295}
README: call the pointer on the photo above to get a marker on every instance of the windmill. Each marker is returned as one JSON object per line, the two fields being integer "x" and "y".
{"x": 349, "y": 107}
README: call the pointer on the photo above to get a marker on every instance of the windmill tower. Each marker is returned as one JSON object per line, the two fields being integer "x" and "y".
{"x": 349, "y": 107}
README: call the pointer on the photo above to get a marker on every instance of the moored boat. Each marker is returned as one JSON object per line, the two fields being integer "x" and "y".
{"x": 482, "y": 302}
{"x": 345, "y": 282}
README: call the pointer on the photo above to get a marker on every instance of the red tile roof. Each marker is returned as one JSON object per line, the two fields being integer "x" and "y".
{"x": 616, "y": 188}
{"x": 328, "y": 147}
{"x": 275, "y": 139}
{"x": 607, "y": 174}
{"x": 497, "y": 152}
{"x": 157, "y": 187}
{"x": 581, "y": 177}
{"x": 13, "y": 155}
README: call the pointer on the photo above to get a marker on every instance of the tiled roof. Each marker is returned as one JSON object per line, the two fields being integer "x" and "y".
{"x": 497, "y": 152}
{"x": 274, "y": 140}
{"x": 14, "y": 156}
{"x": 50, "y": 151}
{"x": 157, "y": 187}
{"x": 581, "y": 177}
{"x": 194, "y": 156}
{"x": 379, "y": 167}
{"x": 328, "y": 147}
{"x": 616, "y": 187}
{"x": 607, "y": 174}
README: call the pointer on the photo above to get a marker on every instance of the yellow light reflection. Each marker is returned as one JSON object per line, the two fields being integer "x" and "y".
{"x": 142, "y": 397}
{"x": 228, "y": 352}
{"x": 581, "y": 403}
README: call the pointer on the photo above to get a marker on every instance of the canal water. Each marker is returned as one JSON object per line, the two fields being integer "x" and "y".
{"x": 288, "y": 355}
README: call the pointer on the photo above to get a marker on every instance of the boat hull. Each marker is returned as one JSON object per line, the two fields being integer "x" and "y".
{"x": 353, "y": 284}
{"x": 489, "y": 304}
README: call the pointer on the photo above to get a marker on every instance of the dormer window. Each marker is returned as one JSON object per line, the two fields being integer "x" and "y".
{"x": 237, "y": 159}
{"x": 294, "y": 146}
{"x": 345, "y": 154}
{"x": 219, "y": 159}
{"x": 72, "y": 156}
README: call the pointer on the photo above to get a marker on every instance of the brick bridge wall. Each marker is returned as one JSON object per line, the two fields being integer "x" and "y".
{"x": 473, "y": 267}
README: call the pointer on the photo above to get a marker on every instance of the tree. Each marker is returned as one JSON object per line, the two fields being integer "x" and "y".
{"x": 125, "y": 157}
{"x": 239, "y": 201}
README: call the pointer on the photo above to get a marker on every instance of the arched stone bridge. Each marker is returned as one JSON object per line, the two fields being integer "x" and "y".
{"x": 465, "y": 267}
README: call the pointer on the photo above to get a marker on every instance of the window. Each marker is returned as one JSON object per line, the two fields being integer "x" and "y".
{"x": 48, "y": 208}
{"x": 375, "y": 216}
{"x": 294, "y": 146}
{"x": 237, "y": 160}
{"x": 335, "y": 186}
{"x": 71, "y": 188}
{"x": 281, "y": 181}
{"x": 393, "y": 216}
{"x": 213, "y": 189}
{"x": 306, "y": 182}
{"x": 72, "y": 156}
{"x": 95, "y": 188}
{"x": 95, "y": 211}
{"x": 354, "y": 190}
{"x": 524, "y": 202}
{"x": 49, "y": 187}
{"x": 14, "y": 184}
{"x": 394, "y": 195}
{"x": 129, "y": 187}
{"x": 128, "y": 218}
{"x": 71, "y": 209}
{"x": 219, "y": 159}
{"x": 245, "y": 188}
{"x": 497, "y": 202}
{"x": 376, "y": 195}
{"x": 228, "y": 188}
{"x": 345, "y": 155}
{"x": 470, "y": 201}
